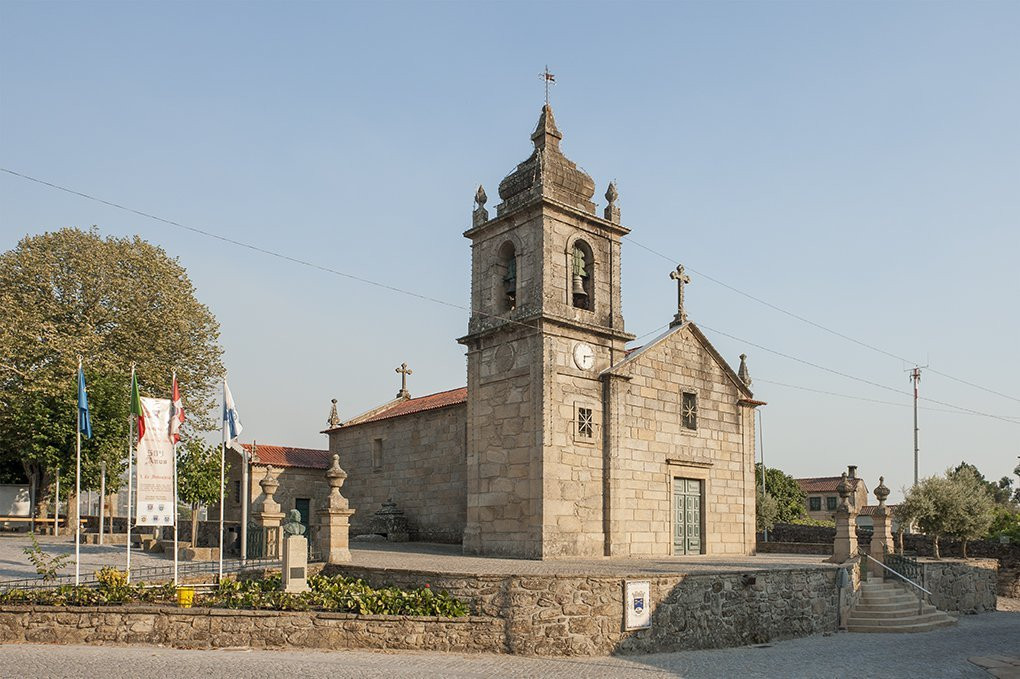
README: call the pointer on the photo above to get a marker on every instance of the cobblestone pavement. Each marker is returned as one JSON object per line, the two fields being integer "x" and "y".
{"x": 14, "y": 564}
{"x": 448, "y": 559}
{"x": 938, "y": 654}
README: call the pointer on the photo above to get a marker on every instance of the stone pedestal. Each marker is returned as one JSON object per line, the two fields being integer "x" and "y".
{"x": 881, "y": 538}
{"x": 335, "y": 533}
{"x": 269, "y": 516}
{"x": 845, "y": 546}
{"x": 295, "y": 564}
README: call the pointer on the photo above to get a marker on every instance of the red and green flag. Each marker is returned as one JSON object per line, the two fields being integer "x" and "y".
{"x": 136, "y": 405}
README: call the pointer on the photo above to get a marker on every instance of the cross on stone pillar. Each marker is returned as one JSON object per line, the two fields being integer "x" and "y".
{"x": 681, "y": 279}
{"x": 404, "y": 372}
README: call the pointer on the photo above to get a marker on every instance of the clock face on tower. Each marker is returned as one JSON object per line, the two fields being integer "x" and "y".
{"x": 584, "y": 356}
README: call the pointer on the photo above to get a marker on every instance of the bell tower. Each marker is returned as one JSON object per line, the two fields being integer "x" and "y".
{"x": 545, "y": 322}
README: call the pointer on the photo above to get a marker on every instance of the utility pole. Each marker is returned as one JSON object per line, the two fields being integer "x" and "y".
{"x": 915, "y": 377}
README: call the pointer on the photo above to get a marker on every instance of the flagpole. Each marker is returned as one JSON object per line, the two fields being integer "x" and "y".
{"x": 56, "y": 507}
{"x": 131, "y": 444}
{"x": 77, "y": 487}
{"x": 175, "y": 486}
{"x": 223, "y": 455}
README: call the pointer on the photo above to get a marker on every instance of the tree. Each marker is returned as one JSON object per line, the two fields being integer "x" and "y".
{"x": 977, "y": 504}
{"x": 1001, "y": 491}
{"x": 785, "y": 491}
{"x": 198, "y": 478}
{"x": 115, "y": 302}
{"x": 936, "y": 505}
{"x": 766, "y": 510}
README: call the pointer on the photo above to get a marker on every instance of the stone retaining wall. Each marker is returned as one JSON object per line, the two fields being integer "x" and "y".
{"x": 578, "y": 615}
{"x": 205, "y": 628}
{"x": 961, "y": 586}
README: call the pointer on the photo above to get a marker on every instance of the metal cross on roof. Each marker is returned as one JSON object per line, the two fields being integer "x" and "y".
{"x": 681, "y": 279}
{"x": 404, "y": 372}
{"x": 549, "y": 79}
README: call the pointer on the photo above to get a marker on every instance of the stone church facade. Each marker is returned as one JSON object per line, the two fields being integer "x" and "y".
{"x": 565, "y": 443}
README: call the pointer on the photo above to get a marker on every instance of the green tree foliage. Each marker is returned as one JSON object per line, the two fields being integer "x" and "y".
{"x": 788, "y": 496}
{"x": 766, "y": 509}
{"x": 113, "y": 301}
{"x": 1001, "y": 491}
{"x": 977, "y": 500}
{"x": 959, "y": 504}
{"x": 198, "y": 474}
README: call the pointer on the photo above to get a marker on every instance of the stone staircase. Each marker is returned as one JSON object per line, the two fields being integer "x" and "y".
{"x": 889, "y": 607}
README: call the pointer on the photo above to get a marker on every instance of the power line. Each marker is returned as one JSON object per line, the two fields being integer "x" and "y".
{"x": 821, "y": 327}
{"x": 854, "y": 377}
{"x": 861, "y": 398}
{"x": 392, "y": 288}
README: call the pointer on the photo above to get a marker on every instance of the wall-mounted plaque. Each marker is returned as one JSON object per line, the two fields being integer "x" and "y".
{"x": 637, "y": 606}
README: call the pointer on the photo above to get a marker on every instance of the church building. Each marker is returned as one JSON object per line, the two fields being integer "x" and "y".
{"x": 565, "y": 442}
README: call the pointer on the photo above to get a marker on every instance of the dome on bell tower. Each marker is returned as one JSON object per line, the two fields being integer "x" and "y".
{"x": 547, "y": 173}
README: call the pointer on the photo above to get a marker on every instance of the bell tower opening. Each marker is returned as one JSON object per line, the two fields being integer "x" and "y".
{"x": 507, "y": 274}
{"x": 582, "y": 264}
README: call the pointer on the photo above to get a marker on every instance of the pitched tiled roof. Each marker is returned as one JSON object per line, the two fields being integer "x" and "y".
{"x": 415, "y": 405}
{"x": 285, "y": 456}
{"x": 869, "y": 510}
{"x": 824, "y": 484}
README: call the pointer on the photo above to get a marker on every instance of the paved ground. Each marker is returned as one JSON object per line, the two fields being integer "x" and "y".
{"x": 14, "y": 564}
{"x": 418, "y": 556}
{"x": 938, "y": 654}
{"x": 448, "y": 559}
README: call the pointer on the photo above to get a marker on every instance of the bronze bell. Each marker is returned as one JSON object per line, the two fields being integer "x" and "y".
{"x": 579, "y": 286}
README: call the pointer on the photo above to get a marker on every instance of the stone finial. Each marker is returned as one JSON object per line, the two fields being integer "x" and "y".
{"x": 743, "y": 373}
{"x": 546, "y": 133}
{"x": 336, "y": 476}
{"x": 612, "y": 212}
{"x": 334, "y": 416}
{"x": 881, "y": 491}
{"x": 269, "y": 485}
{"x": 843, "y": 488}
{"x": 480, "y": 215}
{"x": 681, "y": 279}
{"x": 404, "y": 371}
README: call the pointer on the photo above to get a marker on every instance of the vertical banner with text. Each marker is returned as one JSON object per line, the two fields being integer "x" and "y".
{"x": 155, "y": 465}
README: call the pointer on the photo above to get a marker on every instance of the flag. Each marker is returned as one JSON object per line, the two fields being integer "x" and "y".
{"x": 136, "y": 406}
{"x": 176, "y": 413}
{"x": 84, "y": 422}
{"x": 230, "y": 415}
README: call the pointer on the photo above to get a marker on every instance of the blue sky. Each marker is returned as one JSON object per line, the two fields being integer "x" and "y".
{"x": 855, "y": 163}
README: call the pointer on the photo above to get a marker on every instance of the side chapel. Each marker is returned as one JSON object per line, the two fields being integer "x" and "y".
{"x": 564, "y": 443}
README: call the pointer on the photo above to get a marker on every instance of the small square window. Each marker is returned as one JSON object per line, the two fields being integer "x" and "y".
{"x": 585, "y": 423}
{"x": 689, "y": 410}
{"x": 830, "y": 503}
{"x": 815, "y": 504}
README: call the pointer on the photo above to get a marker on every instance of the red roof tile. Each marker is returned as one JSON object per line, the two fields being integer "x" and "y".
{"x": 869, "y": 510}
{"x": 416, "y": 405}
{"x": 285, "y": 456}
{"x": 824, "y": 484}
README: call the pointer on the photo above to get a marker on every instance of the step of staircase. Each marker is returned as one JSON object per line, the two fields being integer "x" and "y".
{"x": 888, "y": 607}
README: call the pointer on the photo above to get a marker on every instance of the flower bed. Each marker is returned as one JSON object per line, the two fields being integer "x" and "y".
{"x": 327, "y": 593}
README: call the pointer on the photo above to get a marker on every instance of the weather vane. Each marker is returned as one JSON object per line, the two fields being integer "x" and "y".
{"x": 549, "y": 79}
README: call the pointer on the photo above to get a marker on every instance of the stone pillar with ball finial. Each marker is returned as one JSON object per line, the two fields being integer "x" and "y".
{"x": 335, "y": 533}
{"x": 269, "y": 515}
{"x": 845, "y": 546}
{"x": 881, "y": 538}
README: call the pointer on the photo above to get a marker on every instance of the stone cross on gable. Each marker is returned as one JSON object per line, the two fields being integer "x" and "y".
{"x": 404, "y": 372}
{"x": 681, "y": 279}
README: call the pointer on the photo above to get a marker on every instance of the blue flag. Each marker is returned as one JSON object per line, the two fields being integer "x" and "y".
{"x": 84, "y": 423}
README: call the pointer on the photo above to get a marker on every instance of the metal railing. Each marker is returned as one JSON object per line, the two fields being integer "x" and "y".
{"x": 921, "y": 597}
{"x": 144, "y": 574}
{"x": 904, "y": 565}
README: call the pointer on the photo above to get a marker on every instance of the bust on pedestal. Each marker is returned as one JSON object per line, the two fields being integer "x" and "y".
{"x": 295, "y": 554}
